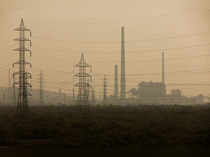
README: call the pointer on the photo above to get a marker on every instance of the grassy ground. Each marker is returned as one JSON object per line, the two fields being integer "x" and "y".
{"x": 161, "y": 151}
{"x": 107, "y": 127}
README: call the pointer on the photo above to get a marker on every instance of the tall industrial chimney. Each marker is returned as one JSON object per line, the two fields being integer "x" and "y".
{"x": 163, "y": 68}
{"x": 123, "y": 81}
{"x": 116, "y": 90}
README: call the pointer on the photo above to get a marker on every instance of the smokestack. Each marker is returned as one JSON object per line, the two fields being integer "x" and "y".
{"x": 163, "y": 68}
{"x": 116, "y": 94}
{"x": 123, "y": 81}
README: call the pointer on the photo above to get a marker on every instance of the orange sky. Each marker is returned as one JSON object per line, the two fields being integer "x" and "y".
{"x": 62, "y": 29}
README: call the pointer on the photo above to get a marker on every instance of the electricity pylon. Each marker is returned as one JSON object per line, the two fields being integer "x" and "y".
{"x": 21, "y": 79}
{"x": 83, "y": 80}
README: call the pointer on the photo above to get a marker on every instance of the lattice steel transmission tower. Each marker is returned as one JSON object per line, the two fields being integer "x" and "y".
{"x": 22, "y": 77}
{"x": 82, "y": 81}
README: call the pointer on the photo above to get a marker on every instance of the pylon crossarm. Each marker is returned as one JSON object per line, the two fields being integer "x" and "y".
{"x": 19, "y": 39}
{"x": 22, "y": 29}
{"x": 22, "y": 49}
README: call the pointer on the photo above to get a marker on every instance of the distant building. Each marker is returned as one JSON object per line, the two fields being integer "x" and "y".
{"x": 156, "y": 93}
{"x": 151, "y": 89}
{"x": 176, "y": 93}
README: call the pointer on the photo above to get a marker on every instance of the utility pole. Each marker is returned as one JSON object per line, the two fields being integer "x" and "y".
{"x": 9, "y": 93}
{"x": 14, "y": 93}
{"x": 93, "y": 96}
{"x": 163, "y": 67}
{"x": 41, "y": 92}
{"x": 4, "y": 97}
{"x": 163, "y": 73}
{"x": 105, "y": 90}
{"x": 64, "y": 98}
{"x": 23, "y": 79}
{"x": 116, "y": 90}
{"x": 9, "y": 78}
{"x": 73, "y": 96}
{"x": 59, "y": 96}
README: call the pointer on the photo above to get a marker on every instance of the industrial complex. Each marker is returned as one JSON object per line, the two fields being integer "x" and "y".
{"x": 83, "y": 91}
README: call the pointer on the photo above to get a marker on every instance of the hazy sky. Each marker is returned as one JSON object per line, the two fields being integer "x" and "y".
{"x": 62, "y": 29}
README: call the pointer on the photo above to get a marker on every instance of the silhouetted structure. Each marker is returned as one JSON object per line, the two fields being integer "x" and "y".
{"x": 73, "y": 95}
{"x": 59, "y": 96}
{"x": 14, "y": 89}
{"x": 23, "y": 80}
{"x": 105, "y": 90}
{"x": 155, "y": 92}
{"x": 93, "y": 96}
{"x": 83, "y": 79}
{"x": 163, "y": 68}
{"x": 116, "y": 90}
{"x": 123, "y": 80}
{"x": 41, "y": 89}
{"x": 151, "y": 92}
{"x": 9, "y": 90}
{"x": 64, "y": 98}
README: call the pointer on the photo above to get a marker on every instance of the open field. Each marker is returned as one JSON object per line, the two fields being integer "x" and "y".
{"x": 106, "y": 127}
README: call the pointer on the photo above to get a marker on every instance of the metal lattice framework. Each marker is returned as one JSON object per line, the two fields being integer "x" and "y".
{"x": 83, "y": 81}
{"x": 21, "y": 78}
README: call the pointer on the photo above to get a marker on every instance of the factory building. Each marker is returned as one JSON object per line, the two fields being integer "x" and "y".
{"x": 156, "y": 93}
{"x": 151, "y": 89}
{"x": 148, "y": 92}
